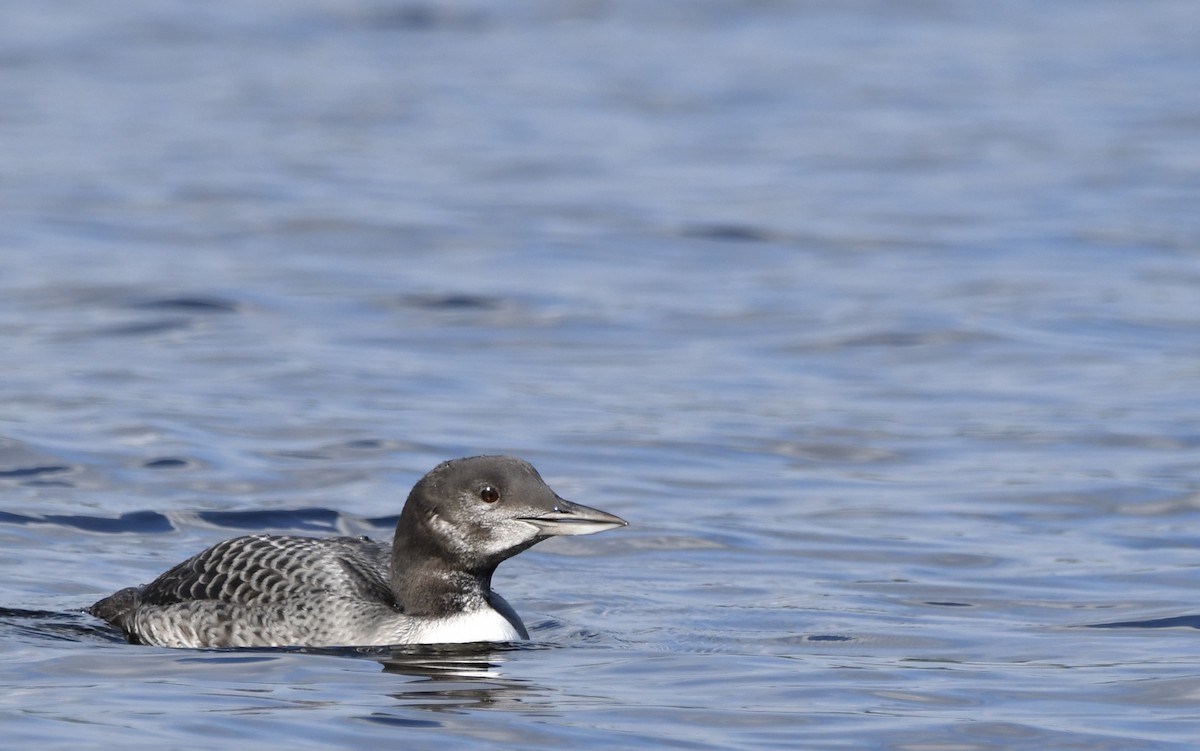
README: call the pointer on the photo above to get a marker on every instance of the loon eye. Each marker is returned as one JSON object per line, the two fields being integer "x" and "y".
{"x": 489, "y": 494}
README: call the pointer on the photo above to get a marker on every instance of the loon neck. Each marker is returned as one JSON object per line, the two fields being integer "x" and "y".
{"x": 429, "y": 580}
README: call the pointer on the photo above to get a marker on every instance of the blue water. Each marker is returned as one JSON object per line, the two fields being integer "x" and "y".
{"x": 880, "y": 322}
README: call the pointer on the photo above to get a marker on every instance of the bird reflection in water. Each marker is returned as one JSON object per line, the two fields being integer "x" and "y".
{"x": 459, "y": 677}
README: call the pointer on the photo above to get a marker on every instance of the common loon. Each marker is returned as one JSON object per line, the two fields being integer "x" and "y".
{"x": 433, "y": 585}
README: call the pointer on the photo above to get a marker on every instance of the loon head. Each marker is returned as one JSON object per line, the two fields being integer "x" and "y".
{"x": 475, "y": 512}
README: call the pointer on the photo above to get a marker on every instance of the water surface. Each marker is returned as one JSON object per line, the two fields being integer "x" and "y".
{"x": 878, "y": 321}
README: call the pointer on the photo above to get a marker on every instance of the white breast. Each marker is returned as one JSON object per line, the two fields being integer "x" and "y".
{"x": 479, "y": 625}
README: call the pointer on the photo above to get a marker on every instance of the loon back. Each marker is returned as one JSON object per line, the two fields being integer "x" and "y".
{"x": 260, "y": 590}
